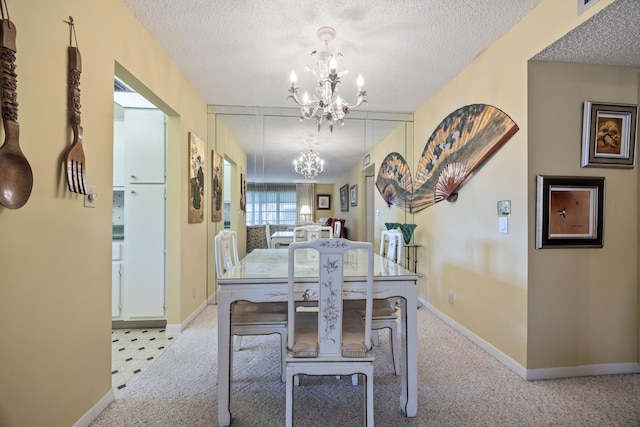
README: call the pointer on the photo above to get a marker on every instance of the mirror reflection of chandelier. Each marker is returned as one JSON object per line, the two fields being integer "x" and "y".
{"x": 309, "y": 164}
{"x": 326, "y": 105}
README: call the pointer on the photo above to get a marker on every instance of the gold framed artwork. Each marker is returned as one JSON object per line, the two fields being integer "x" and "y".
{"x": 217, "y": 184}
{"x": 344, "y": 198}
{"x": 609, "y": 135}
{"x": 569, "y": 212}
{"x": 196, "y": 179}
{"x": 353, "y": 195}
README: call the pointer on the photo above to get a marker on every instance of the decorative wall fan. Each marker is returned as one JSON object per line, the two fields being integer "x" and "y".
{"x": 461, "y": 142}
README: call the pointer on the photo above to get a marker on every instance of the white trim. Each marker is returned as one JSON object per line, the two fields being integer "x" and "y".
{"x": 502, "y": 358}
{"x": 92, "y": 413}
{"x": 583, "y": 371}
{"x": 212, "y": 300}
{"x": 177, "y": 328}
{"x": 540, "y": 373}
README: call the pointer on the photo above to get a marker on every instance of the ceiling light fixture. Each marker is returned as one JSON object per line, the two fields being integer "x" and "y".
{"x": 309, "y": 164}
{"x": 326, "y": 105}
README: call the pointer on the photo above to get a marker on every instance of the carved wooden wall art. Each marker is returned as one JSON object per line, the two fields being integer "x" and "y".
{"x": 464, "y": 140}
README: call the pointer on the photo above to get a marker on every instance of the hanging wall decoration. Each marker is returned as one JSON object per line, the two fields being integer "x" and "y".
{"x": 196, "y": 179}
{"x": 217, "y": 184}
{"x": 461, "y": 143}
{"x": 16, "y": 176}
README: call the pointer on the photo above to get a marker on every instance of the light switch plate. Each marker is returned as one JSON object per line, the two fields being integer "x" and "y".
{"x": 90, "y": 197}
{"x": 503, "y": 224}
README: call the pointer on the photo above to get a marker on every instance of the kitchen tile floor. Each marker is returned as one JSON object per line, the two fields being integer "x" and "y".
{"x": 133, "y": 351}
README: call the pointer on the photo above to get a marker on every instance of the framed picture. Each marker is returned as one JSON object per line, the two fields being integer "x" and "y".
{"x": 569, "y": 212}
{"x": 344, "y": 198}
{"x": 609, "y": 135}
{"x": 353, "y": 195}
{"x": 196, "y": 179}
{"x": 366, "y": 160}
{"x": 217, "y": 184}
{"x": 323, "y": 202}
{"x": 243, "y": 192}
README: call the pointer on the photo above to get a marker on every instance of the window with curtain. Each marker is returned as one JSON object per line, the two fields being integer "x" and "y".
{"x": 271, "y": 203}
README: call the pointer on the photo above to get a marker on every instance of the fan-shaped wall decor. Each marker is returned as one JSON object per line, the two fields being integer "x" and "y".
{"x": 461, "y": 143}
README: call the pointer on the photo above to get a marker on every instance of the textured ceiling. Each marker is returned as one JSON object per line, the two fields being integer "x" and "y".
{"x": 240, "y": 53}
{"x": 611, "y": 37}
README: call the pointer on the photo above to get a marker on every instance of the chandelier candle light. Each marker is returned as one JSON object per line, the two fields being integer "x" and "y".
{"x": 309, "y": 164}
{"x": 326, "y": 105}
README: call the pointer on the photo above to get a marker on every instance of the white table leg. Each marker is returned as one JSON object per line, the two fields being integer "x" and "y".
{"x": 409, "y": 365}
{"x": 224, "y": 351}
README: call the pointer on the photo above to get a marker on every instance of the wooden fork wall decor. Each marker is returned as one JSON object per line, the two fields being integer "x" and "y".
{"x": 74, "y": 159}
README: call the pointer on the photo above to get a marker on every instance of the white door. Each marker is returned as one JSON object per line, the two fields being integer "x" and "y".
{"x": 145, "y": 145}
{"x": 145, "y": 254}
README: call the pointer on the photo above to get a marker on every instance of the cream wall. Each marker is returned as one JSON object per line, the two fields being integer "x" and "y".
{"x": 489, "y": 272}
{"x": 583, "y": 302}
{"x": 55, "y": 280}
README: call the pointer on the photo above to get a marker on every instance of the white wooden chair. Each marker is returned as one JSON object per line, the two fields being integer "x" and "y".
{"x": 306, "y": 233}
{"x": 338, "y": 227}
{"x": 385, "y": 314}
{"x": 329, "y": 341}
{"x": 249, "y": 318}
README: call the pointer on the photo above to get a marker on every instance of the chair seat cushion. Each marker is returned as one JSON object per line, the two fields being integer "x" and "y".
{"x": 353, "y": 335}
{"x": 306, "y": 335}
{"x": 381, "y": 308}
{"x": 265, "y": 312}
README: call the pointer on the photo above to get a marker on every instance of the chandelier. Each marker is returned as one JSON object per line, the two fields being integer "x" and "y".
{"x": 326, "y": 105}
{"x": 309, "y": 164}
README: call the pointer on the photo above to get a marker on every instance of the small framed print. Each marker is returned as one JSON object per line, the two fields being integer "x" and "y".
{"x": 569, "y": 212}
{"x": 609, "y": 135}
{"x": 504, "y": 207}
{"x": 324, "y": 201}
{"x": 366, "y": 160}
{"x": 344, "y": 198}
{"x": 353, "y": 195}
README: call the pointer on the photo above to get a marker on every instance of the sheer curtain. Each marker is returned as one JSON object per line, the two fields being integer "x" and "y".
{"x": 271, "y": 203}
{"x": 305, "y": 195}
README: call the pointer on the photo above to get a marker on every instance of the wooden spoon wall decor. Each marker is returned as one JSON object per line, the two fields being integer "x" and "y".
{"x": 16, "y": 177}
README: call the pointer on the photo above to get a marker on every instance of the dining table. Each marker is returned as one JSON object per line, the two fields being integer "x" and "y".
{"x": 262, "y": 276}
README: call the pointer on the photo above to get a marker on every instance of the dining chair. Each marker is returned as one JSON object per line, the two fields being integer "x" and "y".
{"x": 248, "y": 318}
{"x": 311, "y": 232}
{"x": 338, "y": 227}
{"x": 331, "y": 340}
{"x": 385, "y": 315}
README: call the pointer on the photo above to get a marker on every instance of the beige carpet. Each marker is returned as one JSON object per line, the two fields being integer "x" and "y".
{"x": 458, "y": 385}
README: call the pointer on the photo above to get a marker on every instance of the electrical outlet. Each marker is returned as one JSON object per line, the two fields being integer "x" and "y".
{"x": 451, "y": 297}
{"x": 91, "y": 197}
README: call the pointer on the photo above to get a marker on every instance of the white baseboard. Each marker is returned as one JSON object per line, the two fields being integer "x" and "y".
{"x": 177, "y": 328}
{"x": 583, "y": 371}
{"x": 212, "y": 300}
{"x": 91, "y": 415}
{"x": 541, "y": 373}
